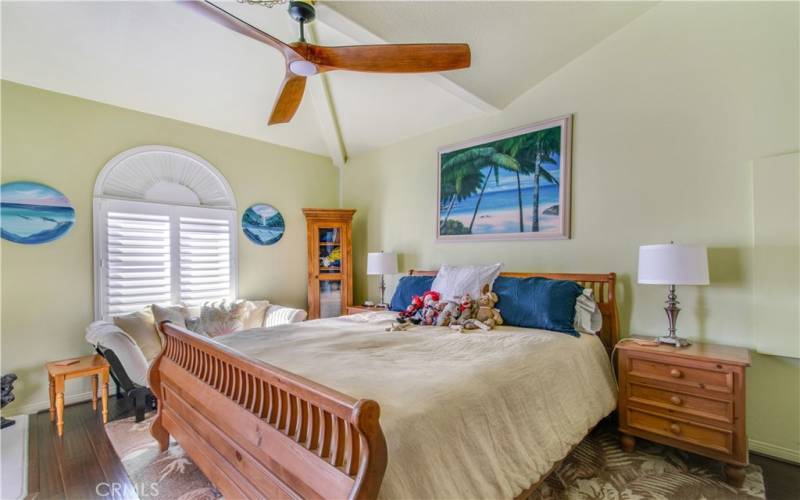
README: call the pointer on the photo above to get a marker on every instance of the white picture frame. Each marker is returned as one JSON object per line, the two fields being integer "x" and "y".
{"x": 467, "y": 211}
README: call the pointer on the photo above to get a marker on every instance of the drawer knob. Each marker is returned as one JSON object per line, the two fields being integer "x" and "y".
{"x": 676, "y": 400}
{"x": 675, "y": 428}
{"x": 675, "y": 373}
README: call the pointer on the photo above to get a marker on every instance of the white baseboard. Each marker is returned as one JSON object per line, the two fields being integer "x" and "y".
{"x": 69, "y": 399}
{"x": 776, "y": 451}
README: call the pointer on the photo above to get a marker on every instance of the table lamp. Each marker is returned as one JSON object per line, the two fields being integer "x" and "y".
{"x": 382, "y": 263}
{"x": 673, "y": 265}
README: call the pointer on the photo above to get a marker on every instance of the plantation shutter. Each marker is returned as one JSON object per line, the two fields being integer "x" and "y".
{"x": 205, "y": 256}
{"x": 138, "y": 261}
{"x": 152, "y": 253}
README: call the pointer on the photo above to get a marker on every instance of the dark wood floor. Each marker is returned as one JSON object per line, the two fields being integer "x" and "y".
{"x": 83, "y": 464}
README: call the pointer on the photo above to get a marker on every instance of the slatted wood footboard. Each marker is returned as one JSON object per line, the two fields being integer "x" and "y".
{"x": 258, "y": 431}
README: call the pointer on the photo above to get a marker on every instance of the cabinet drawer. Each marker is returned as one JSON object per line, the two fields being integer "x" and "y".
{"x": 708, "y": 376}
{"x": 714, "y": 409}
{"x": 720, "y": 440}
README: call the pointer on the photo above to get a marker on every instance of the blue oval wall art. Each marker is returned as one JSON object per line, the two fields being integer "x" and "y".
{"x": 263, "y": 224}
{"x": 32, "y": 213}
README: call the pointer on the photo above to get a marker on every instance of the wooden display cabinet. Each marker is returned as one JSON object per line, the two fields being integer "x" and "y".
{"x": 330, "y": 255}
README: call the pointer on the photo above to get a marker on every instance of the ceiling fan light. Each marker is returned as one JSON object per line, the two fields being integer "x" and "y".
{"x": 303, "y": 68}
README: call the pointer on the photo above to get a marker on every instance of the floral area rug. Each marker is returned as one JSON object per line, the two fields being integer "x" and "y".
{"x": 597, "y": 469}
{"x": 168, "y": 475}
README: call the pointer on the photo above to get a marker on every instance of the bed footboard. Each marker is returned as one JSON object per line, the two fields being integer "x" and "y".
{"x": 258, "y": 431}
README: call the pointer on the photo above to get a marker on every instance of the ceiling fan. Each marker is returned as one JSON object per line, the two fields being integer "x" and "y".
{"x": 305, "y": 59}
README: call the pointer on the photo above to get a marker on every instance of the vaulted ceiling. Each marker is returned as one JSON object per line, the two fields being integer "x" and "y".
{"x": 162, "y": 58}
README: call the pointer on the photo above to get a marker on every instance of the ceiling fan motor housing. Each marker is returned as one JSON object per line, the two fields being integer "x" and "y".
{"x": 302, "y": 11}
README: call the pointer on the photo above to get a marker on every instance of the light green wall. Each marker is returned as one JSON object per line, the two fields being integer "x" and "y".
{"x": 669, "y": 114}
{"x": 62, "y": 141}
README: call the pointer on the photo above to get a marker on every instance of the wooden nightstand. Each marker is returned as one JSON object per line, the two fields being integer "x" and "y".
{"x": 692, "y": 398}
{"x": 363, "y": 309}
{"x": 58, "y": 372}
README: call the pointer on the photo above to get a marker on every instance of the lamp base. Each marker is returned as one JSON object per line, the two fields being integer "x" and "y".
{"x": 672, "y": 340}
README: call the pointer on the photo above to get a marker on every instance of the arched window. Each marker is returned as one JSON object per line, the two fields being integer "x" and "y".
{"x": 164, "y": 231}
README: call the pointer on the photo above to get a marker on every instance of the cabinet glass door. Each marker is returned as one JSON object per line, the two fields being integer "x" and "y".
{"x": 330, "y": 298}
{"x": 330, "y": 250}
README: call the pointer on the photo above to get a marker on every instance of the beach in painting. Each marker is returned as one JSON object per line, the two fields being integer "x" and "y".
{"x": 503, "y": 187}
{"x": 499, "y": 211}
{"x": 32, "y": 213}
{"x": 263, "y": 224}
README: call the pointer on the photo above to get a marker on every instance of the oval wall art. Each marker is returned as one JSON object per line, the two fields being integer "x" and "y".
{"x": 263, "y": 224}
{"x": 32, "y": 213}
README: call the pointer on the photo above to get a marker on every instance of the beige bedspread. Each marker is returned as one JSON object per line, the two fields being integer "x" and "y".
{"x": 478, "y": 415}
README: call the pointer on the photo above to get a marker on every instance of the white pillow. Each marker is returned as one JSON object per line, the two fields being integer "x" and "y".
{"x": 454, "y": 281}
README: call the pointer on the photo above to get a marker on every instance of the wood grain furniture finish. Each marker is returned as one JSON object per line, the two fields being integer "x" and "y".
{"x": 58, "y": 373}
{"x": 363, "y": 309}
{"x": 321, "y": 219}
{"x": 692, "y": 398}
{"x": 259, "y": 431}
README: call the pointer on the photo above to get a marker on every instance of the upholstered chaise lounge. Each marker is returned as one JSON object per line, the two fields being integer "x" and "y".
{"x": 128, "y": 361}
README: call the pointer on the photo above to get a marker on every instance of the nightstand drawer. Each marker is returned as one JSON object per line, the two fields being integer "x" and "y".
{"x": 720, "y": 440}
{"x": 714, "y": 409}
{"x": 708, "y": 376}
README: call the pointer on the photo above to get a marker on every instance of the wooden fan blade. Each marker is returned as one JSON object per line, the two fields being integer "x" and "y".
{"x": 405, "y": 58}
{"x": 289, "y": 98}
{"x": 225, "y": 18}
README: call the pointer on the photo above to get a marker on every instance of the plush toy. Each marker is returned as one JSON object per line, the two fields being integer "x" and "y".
{"x": 422, "y": 310}
{"x": 466, "y": 310}
{"x": 411, "y": 310}
{"x": 397, "y": 326}
{"x": 484, "y": 317}
{"x": 487, "y": 313}
{"x": 449, "y": 312}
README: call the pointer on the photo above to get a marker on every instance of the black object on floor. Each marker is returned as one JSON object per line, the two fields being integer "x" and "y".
{"x": 6, "y": 396}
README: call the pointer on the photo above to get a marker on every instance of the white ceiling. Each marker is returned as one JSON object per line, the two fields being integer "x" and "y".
{"x": 161, "y": 58}
{"x": 514, "y": 45}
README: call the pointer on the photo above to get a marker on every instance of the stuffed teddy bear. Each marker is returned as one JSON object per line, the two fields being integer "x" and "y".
{"x": 486, "y": 317}
{"x": 487, "y": 313}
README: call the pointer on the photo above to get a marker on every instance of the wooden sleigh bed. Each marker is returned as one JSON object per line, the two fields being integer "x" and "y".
{"x": 258, "y": 431}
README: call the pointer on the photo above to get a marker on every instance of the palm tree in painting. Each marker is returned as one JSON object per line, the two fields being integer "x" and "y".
{"x": 459, "y": 181}
{"x": 540, "y": 149}
{"x": 512, "y": 147}
{"x": 476, "y": 159}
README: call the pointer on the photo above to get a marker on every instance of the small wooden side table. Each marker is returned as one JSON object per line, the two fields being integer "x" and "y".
{"x": 88, "y": 366}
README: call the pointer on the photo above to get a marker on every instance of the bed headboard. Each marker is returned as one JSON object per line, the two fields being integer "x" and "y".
{"x": 603, "y": 286}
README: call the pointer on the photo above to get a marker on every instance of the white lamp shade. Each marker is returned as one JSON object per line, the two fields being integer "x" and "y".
{"x": 381, "y": 263}
{"x": 673, "y": 265}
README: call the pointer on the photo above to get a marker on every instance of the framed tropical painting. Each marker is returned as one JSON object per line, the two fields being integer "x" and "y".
{"x": 510, "y": 185}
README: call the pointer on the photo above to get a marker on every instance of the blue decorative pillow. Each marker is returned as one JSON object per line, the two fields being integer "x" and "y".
{"x": 407, "y": 288}
{"x": 538, "y": 303}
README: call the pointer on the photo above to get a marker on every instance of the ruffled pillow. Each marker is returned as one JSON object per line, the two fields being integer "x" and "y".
{"x": 174, "y": 314}
{"x": 141, "y": 327}
{"x": 453, "y": 282}
{"x": 222, "y": 318}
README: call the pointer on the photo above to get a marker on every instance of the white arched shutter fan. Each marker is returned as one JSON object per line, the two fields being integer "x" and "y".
{"x": 164, "y": 232}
